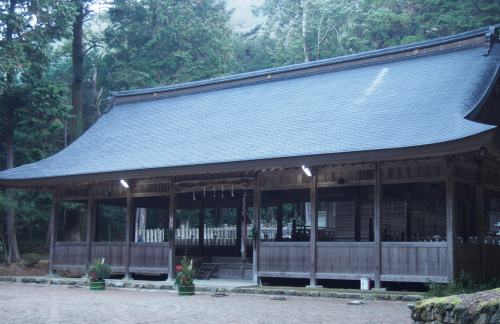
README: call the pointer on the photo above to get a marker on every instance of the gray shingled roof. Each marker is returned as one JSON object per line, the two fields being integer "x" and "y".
{"x": 392, "y": 105}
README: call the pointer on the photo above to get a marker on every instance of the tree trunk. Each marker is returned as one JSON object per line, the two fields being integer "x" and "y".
{"x": 11, "y": 232}
{"x": 307, "y": 57}
{"x": 71, "y": 231}
{"x": 77, "y": 87}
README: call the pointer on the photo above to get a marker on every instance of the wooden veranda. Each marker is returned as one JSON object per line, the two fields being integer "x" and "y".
{"x": 460, "y": 177}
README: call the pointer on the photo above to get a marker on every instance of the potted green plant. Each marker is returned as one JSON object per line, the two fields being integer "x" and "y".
{"x": 185, "y": 276}
{"x": 98, "y": 273}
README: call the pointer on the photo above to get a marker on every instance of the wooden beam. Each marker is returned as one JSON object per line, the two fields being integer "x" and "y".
{"x": 96, "y": 223}
{"x": 491, "y": 187}
{"x": 314, "y": 225}
{"x": 409, "y": 220}
{"x": 285, "y": 187}
{"x": 377, "y": 226}
{"x": 54, "y": 220}
{"x": 201, "y": 225}
{"x": 450, "y": 220}
{"x": 171, "y": 224}
{"x": 357, "y": 219}
{"x": 90, "y": 219}
{"x": 343, "y": 276}
{"x": 150, "y": 194}
{"x": 279, "y": 220}
{"x": 403, "y": 278}
{"x": 239, "y": 210}
{"x": 480, "y": 219}
{"x": 416, "y": 180}
{"x": 128, "y": 224}
{"x": 465, "y": 217}
{"x": 348, "y": 183}
{"x": 277, "y": 274}
{"x": 73, "y": 198}
{"x": 256, "y": 220}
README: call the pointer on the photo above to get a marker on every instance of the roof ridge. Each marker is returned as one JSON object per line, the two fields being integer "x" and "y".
{"x": 385, "y": 54}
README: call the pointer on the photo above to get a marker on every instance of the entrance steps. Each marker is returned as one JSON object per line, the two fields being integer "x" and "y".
{"x": 206, "y": 271}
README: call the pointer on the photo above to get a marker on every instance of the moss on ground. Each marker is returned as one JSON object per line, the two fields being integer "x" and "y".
{"x": 349, "y": 291}
{"x": 438, "y": 301}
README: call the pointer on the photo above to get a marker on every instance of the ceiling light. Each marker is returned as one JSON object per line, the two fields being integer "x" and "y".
{"x": 124, "y": 183}
{"x": 307, "y": 171}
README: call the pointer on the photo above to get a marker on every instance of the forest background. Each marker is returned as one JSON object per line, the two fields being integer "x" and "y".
{"x": 61, "y": 58}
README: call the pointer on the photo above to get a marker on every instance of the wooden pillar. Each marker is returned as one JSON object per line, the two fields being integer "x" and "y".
{"x": 172, "y": 208}
{"x": 96, "y": 223}
{"x": 377, "y": 226}
{"x": 54, "y": 221}
{"x": 279, "y": 220}
{"x": 409, "y": 220}
{"x": 465, "y": 216}
{"x": 201, "y": 226}
{"x": 129, "y": 225}
{"x": 90, "y": 220}
{"x": 450, "y": 220}
{"x": 480, "y": 218}
{"x": 256, "y": 221}
{"x": 314, "y": 226}
{"x": 239, "y": 218}
{"x": 357, "y": 219}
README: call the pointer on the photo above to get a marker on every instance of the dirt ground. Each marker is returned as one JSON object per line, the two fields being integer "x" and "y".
{"x": 41, "y": 269}
{"x": 35, "y": 303}
{"x": 19, "y": 269}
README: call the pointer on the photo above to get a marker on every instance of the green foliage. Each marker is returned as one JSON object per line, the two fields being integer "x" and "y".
{"x": 253, "y": 233}
{"x": 463, "y": 284}
{"x": 26, "y": 247}
{"x": 31, "y": 209}
{"x": 26, "y": 28}
{"x": 167, "y": 42}
{"x": 112, "y": 220}
{"x": 169, "y": 234}
{"x": 155, "y": 218}
{"x": 251, "y": 52}
{"x": 318, "y": 29}
{"x": 185, "y": 272}
{"x": 100, "y": 270}
{"x": 31, "y": 259}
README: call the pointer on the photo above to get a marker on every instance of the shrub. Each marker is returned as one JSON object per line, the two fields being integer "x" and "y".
{"x": 100, "y": 270}
{"x": 185, "y": 272}
{"x": 463, "y": 284}
{"x": 31, "y": 259}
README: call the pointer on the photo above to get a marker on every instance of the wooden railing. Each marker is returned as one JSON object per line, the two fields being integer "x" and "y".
{"x": 468, "y": 258}
{"x": 70, "y": 256}
{"x": 113, "y": 252}
{"x": 149, "y": 257}
{"x": 284, "y": 259}
{"x": 144, "y": 257}
{"x": 343, "y": 260}
{"x": 401, "y": 261}
{"x": 492, "y": 257}
{"x": 414, "y": 261}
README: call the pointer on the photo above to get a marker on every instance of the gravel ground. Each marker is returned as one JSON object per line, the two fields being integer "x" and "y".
{"x": 35, "y": 303}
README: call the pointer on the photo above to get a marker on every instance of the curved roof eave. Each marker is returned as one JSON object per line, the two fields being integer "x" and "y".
{"x": 487, "y": 138}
